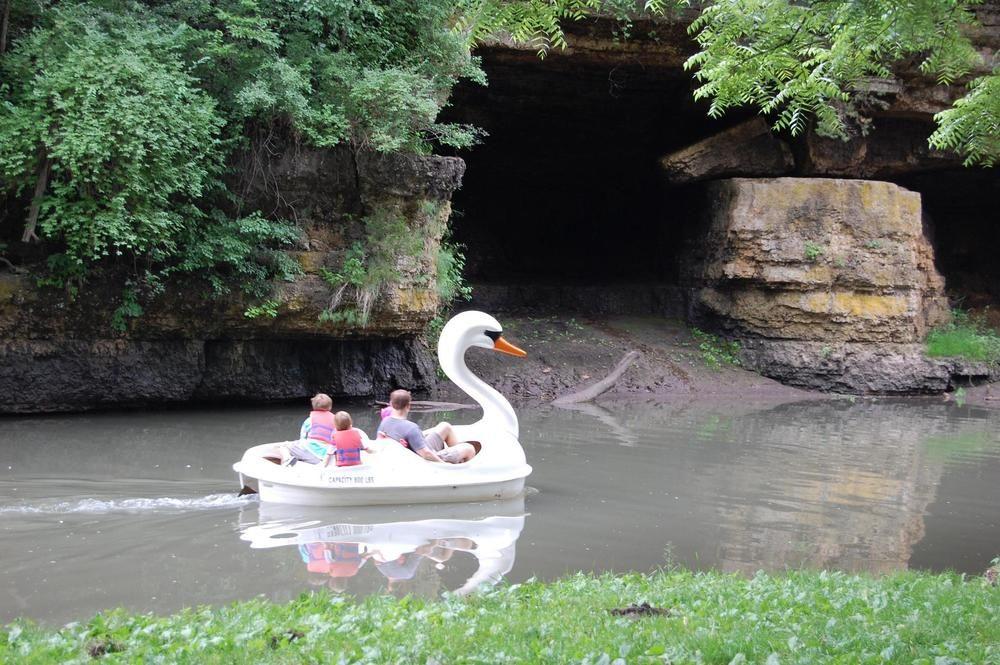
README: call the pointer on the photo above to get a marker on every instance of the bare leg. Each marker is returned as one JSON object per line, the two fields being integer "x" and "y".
{"x": 458, "y": 453}
{"x": 455, "y": 451}
{"x": 446, "y": 432}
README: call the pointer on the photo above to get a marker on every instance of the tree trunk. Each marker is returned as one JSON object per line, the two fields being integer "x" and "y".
{"x": 605, "y": 384}
{"x": 3, "y": 27}
{"x": 45, "y": 164}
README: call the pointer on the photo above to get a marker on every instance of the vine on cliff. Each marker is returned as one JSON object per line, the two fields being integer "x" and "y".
{"x": 394, "y": 251}
{"x": 369, "y": 267}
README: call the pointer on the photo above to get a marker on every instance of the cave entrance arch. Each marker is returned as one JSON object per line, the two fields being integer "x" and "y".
{"x": 566, "y": 191}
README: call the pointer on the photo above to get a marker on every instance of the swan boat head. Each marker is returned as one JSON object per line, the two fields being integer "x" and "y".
{"x": 462, "y": 332}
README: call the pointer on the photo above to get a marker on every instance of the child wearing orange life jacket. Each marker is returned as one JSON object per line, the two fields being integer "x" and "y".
{"x": 347, "y": 441}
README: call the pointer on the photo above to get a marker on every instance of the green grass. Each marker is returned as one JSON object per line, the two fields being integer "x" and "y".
{"x": 965, "y": 337}
{"x": 797, "y": 617}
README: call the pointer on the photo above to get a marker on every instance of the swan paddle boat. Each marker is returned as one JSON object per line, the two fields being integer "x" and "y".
{"x": 395, "y": 475}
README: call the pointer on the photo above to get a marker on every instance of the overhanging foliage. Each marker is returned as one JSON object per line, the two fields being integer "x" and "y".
{"x": 118, "y": 117}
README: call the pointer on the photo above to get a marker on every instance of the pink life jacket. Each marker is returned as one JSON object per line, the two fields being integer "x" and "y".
{"x": 321, "y": 426}
{"x": 348, "y": 444}
{"x": 402, "y": 442}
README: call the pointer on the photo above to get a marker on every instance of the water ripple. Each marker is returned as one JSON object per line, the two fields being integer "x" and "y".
{"x": 130, "y": 505}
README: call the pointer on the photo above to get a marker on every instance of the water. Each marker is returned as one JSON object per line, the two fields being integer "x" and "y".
{"x": 139, "y": 509}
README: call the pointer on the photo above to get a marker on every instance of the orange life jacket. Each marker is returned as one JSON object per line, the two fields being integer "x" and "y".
{"x": 345, "y": 559}
{"x": 348, "y": 443}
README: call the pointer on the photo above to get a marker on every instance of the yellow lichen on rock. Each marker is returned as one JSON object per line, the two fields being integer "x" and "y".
{"x": 819, "y": 259}
{"x": 867, "y": 305}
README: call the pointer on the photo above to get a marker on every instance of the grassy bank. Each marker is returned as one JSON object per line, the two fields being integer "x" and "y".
{"x": 799, "y": 617}
{"x": 966, "y": 337}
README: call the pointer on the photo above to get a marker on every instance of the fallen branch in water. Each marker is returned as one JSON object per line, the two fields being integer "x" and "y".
{"x": 601, "y": 386}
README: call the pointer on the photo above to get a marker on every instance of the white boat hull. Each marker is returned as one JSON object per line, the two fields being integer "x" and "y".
{"x": 276, "y": 492}
{"x": 391, "y": 476}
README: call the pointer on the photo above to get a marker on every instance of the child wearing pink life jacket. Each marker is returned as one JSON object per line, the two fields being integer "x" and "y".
{"x": 347, "y": 442}
{"x": 315, "y": 436}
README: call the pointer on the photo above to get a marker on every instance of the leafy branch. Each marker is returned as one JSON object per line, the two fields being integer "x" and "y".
{"x": 972, "y": 126}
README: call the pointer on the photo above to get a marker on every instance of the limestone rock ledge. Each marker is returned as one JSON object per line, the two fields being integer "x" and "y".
{"x": 64, "y": 355}
{"x": 38, "y": 376}
{"x": 862, "y": 368}
{"x": 830, "y": 283}
{"x": 747, "y": 148}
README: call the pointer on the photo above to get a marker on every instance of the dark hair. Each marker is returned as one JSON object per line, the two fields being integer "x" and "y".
{"x": 399, "y": 399}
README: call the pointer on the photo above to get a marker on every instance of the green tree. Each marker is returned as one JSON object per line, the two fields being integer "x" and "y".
{"x": 372, "y": 73}
{"x": 119, "y": 118}
{"x": 107, "y": 130}
{"x": 802, "y": 60}
{"x": 797, "y": 61}
{"x": 972, "y": 126}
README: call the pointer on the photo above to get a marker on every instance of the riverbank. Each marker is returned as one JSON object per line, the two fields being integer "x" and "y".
{"x": 673, "y": 616}
{"x": 675, "y": 361}
{"x": 566, "y": 354}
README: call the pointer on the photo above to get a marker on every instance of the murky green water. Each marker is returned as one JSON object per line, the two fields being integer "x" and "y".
{"x": 139, "y": 509}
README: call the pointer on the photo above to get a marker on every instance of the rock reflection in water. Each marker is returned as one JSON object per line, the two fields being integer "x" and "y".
{"x": 411, "y": 548}
{"x": 838, "y": 484}
{"x": 865, "y": 512}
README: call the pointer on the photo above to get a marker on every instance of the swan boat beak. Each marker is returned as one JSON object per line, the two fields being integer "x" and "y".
{"x": 503, "y": 346}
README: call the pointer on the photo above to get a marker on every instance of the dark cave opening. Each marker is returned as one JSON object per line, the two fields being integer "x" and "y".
{"x": 961, "y": 216}
{"x": 566, "y": 199}
{"x": 567, "y": 189}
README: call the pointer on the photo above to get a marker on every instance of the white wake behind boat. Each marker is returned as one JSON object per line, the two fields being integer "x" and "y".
{"x": 393, "y": 474}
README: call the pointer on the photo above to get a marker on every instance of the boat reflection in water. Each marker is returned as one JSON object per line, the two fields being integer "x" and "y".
{"x": 339, "y": 545}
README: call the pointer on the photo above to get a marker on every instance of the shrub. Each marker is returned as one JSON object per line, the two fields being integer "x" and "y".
{"x": 812, "y": 252}
{"x": 715, "y": 351}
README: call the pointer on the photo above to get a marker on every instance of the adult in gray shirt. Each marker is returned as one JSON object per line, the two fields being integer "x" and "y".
{"x": 437, "y": 444}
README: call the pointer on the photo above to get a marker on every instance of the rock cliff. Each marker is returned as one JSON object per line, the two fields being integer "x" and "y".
{"x": 830, "y": 283}
{"x": 58, "y": 354}
{"x": 600, "y": 156}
